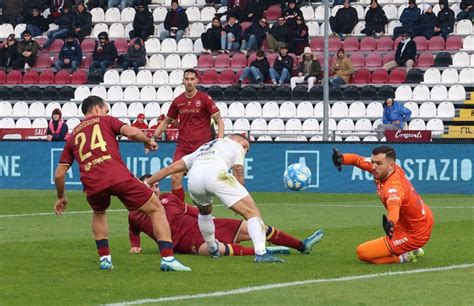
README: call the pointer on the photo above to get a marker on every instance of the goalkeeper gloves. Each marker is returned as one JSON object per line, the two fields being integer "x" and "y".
{"x": 337, "y": 158}
{"x": 387, "y": 226}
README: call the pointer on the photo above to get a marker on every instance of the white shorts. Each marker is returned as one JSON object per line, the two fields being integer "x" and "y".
{"x": 204, "y": 182}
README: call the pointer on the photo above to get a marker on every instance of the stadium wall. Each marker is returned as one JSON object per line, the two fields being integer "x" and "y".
{"x": 432, "y": 168}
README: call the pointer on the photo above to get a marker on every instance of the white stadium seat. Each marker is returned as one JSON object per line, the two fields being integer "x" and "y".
{"x": 461, "y": 59}
{"x": 391, "y": 11}
{"x": 169, "y": 45}
{"x": 293, "y": 126}
{"x": 288, "y": 109}
{"x": 164, "y": 93}
{"x": 115, "y": 93}
{"x": 98, "y": 15}
{"x": 449, "y": 76}
{"x": 72, "y": 123}
{"x": 223, "y": 109}
{"x": 127, "y": 14}
{"x": 178, "y": 91}
{"x": 207, "y": 13}
{"x": 112, "y": 14}
{"x": 99, "y": 27}
{"x": 241, "y": 125}
{"x": 185, "y": 45}
{"x": 357, "y": 109}
{"x": 228, "y": 126}
{"x": 173, "y": 61}
{"x": 198, "y": 45}
{"x": 417, "y": 124}
{"x": 258, "y": 126}
{"x": 111, "y": 77}
{"x": 375, "y": 110}
{"x": 439, "y": 93}
{"x": 7, "y": 123}
{"x": 352, "y": 138}
{"x": 159, "y": 14}
{"x": 165, "y": 107}
{"x": 6, "y": 109}
{"x": 403, "y": 93}
{"x": 466, "y": 76}
{"x": 436, "y": 126}
{"x": 310, "y": 127}
{"x": 413, "y": 107}
{"x": 99, "y": 91}
{"x": 308, "y": 12}
{"x": 131, "y": 93}
{"x": 464, "y": 27}
{"x": 50, "y": 107}
{"x": 253, "y": 109}
{"x": 313, "y": 28}
{"x": 339, "y": 110}
{"x": 236, "y": 109}
{"x": 370, "y": 138}
{"x": 128, "y": 77}
{"x": 189, "y": 61}
{"x": 275, "y": 126}
{"x": 456, "y": 93}
{"x": 23, "y": 123}
{"x": 345, "y": 127}
{"x": 148, "y": 93}
{"x": 196, "y": 29}
{"x": 446, "y": 110}
{"x": 160, "y": 77}
{"x": 144, "y": 77}
{"x": 119, "y": 109}
{"x": 69, "y": 109}
{"x": 152, "y": 109}
{"x": 36, "y": 109}
{"x": 363, "y": 126}
{"x": 176, "y": 77}
{"x": 193, "y": 14}
{"x": 41, "y": 123}
{"x": 116, "y": 30}
{"x": 305, "y": 110}
{"x": 421, "y": 93}
{"x": 432, "y": 76}
{"x": 152, "y": 45}
{"x": 136, "y": 108}
{"x": 427, "y": 110}
{"x": 468, "y": 43}
{"x": 20, "y": 109}
{"x": 270, "y": 109}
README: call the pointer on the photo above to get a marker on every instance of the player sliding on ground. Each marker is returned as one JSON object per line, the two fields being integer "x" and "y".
{"x": 187, "y": 238}
{"x": 409, "y": 221}
{"x": 208, "y": 176}
{"x": 94, "y": 146}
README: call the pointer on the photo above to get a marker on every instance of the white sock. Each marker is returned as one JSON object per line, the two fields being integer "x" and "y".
{"x": 207, "y": 228}
{"x": 257, "y": 234}
{"x": 168, "y": 258}
{"x": 108, "y": 257}
{"x": 402, "y": 258}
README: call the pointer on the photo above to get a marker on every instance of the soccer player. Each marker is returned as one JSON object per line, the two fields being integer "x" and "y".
{"x": 94, "y": 146}
{"x": 187, "y": 238}
{"x": 208, "y": 175}
{"x": 195, "y": 110}
{"x": 409, "y": 221}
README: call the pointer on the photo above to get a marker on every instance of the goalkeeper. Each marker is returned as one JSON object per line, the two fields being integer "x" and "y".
{"x": 409, "y": 220}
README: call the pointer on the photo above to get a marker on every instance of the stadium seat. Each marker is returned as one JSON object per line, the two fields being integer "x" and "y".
{"x": 79, "y": 77}
{"x": 127, "y": 14}
{"x": 50, "y": 107}
{"x": 391, "y": 11}
{"x": 238, "y": 61}
{"x": 339, "y": 110}
{"x": 169, "y": 45}
{"x": 443, "y": 59}
{"x": 317, "y": 44}
{"x": 258, "y": 126}
{"x": 189, "y": 61}
{"x": 160, "y": 77}
{"x": 319, "y": 110}
{"x": 111, "y": 77}
{"x": 421, "y": 93}
{"x": 40, "y": 123}
{"x": 159, "y": 14}
{"x": 253, "y": 109}
{"x": 427, "y": 110}
{"x": 356, "y": 110}
{"x": 310, "y": 126}
{"x": 228, "y": 126}
{"x": 379, "y": 76}
{"x": 207, "y": 13}
{"x": 215, "y": 92}
{"x": 61, "y": 77}
{"x": 413, "y": 107}
{"x": 421, "y": 43}
{"x": 397, "y": 76}
{"x": 33, "y": 93}
{"x": 131, "y": 93}
{"x": 128, "y": 77}
{"x": 357, "y": 60}
{"x": 148, "y": 93}
{"x": 6, "y": 109}
{"x": 14, "y": 77}
{"x": 414, "y": 76}
{"x": 417, "y": 125}
{"x": 384, "y": 43}
{"x": 144, "y": 77}
{"x": 98, "y": 15}
{"x": 69, "y": 109}
{"x": 270, "y": 110}
{"x": 222, "y": 61}
{"x": 115, "y": 93}
{"x": 300, "y": 92}
{"x": 23, "y": 123}
{"x": 308, "y": 12}
{"x": 222, "y": 108}
{"x": 116, "y": 30}
{"x": 403, "y": 93}
{"x": 293, "y": 126}
{"x": 135, "y": 108}
{"x": 20, "y": 109}
{"x": 335, "y": 43}
{"x": 176, "y": 77}
{"x": 288, "y": 109}
{"x": 436, "y": 43}
{"x": 81, "y": 93}
{"x": 273, "y": 12}
{"x": 248, "y": 93}
{"x": 275, "y": 126}
{"x": 121, "y": 44}
{"x": 446, "y": 110}
{"x": 439, "y": 93}
{"x": 368, "y": 43}
{"x": 358, "y": 28}
{"x": 351, "y": 92}
{"x": 119, "y": 109}
{"x": 304, "y": 110}
{"x": 368, "y": 92}
{"x": 449, "y": 76}
{"x": 454, "y": 43}
{"x": 425, "y": 59}
{"x": 392, "y": 25}
{"x": 99, "y": 91}
{"x": 373, "y": 59}
{"x": 195, "y": 29}
{"x": 64, "y": 93}
{"x": 464, "y": 27}
{"x": 156, "y": 61}
{"x": 265, "y": 93}
{"x": 193, "y": 14}
{"x": 205, "y": 61}
{"x": 466, "y": 76}
{"x": 456, "y": 93}
{"x": 313, "y": 28}
{"x": 236, "y": 109}
{"x": 152, "y": 45}
{"x": 241, "y": 125}
{"x": 173, "y": 61}
{"x": 282, "y": 93}
{"x": 231, "y": 93}
{"x": 388, "y": 57}
{"x": 185, "y": 45}
{"x": 386, "y": 91}
{"x": 436, "y": 126}
{"x": 374, "y": 110}
{"x": 30, "y": 77}
{"x": 363, "y": 127}
{"x": 209, "y": 76}
{"x": 351, "y": 44}
{"x": 362, "y": 76}
{"x": 461, "y": 59}
{"x": 432, "y": 76}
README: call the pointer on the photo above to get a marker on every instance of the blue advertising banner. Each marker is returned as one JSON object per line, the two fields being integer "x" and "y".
{"x": 432, "y": 168}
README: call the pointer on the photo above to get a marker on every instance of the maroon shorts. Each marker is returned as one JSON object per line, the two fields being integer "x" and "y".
{"x": 133, "y": 194}
{"x": 226, "y": 232}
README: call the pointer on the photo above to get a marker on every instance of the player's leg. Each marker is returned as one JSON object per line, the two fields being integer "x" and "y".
{"x": 228, "y": 249}
{"x": 100, "y": 230}
{"x": 177, "y": 185}
{"x": 376, "y": 251}
{"x": 208, "y": 228}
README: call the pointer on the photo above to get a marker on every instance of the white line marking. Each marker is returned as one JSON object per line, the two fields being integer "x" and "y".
{"x": 52, "y": 213}
{"x": 288, "y": 284}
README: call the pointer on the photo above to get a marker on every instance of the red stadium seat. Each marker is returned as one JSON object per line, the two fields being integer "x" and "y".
{"x": 245, "y": 25}
{"x": 385, "y": 43}
{"x": 379, "y": 76}
{"x": 46, "y": 77}
{"x": 43, "y": 61}
{"x": 238, "y": 61}
{"x": 421, "y": 43}
{"x": 436, "y": 43}
{"x": 14, "y": 77}
{"x": 238, "y": 74}
{"x": 362, "y": 76}
{"x": 396, "y": 42}
{"x": 351, "y": 44}
{"x": 367, "y": 44}
{"x": 264, "y": 46}
{"x": 454, "y": 43}
{"x": 271, "y": 58}
{"x": 41, "y": 40}
{"x": 87, "y": 61}
{"x": 88, "y": 45}
{"x": 209, "y": 76}
{"x": 3, "y": 77}
{"x": 357, "y": 60}
{"x": 121, "y": 44}
{"x": 295, "y": 60}
{"x": 273, "y": 12}
{"x": 62, "y": 77}
{"x": 335, "y": 43}
{"x": 79, "y": 77}
{"x": 227, "y": 77}
{"x": 397, "y": 76}
{"x": 222, "y": 61}
{"x": 30, "y": 77}
{"x": 205, "y": 61}
{"x": 253, "y": 57}
{"x": 373, "y": 59}
{"x": 317, "y": 44}
{"x": 388, "y": 57}
{"x": 425, "y": 59}
{"x": 56, "y": 46}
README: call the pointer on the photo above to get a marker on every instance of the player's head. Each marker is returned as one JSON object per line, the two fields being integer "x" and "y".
{"x": 242, "y": 140}
{"x": 190, "y": 79}
{"x": 155, "y": 187}
{"x": 383, "y": 161}
{"x": 94, "y": 105}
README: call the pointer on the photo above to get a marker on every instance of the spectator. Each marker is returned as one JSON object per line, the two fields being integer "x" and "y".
{"x": 467, "y": 10}
{"x": 395, "y": 115}
{"x": 237, "y": 9}
{"x": 57, "y": 128}
{"x": 345, "y": 20}
{"x": 231, "y": 35}
{"x": 282, "y": 67}
{"x": 70, "y": 55}
{"x": 92, "y": 4}
{"x": 136, "y": 56}
{"x": 409, "y": 20}
{"x": 31, "y": 5}
{"x": 291, "y": 13}
{"x": 445, "y": 20}
{"x": 176, "y": 22}
{"x": 140, "y": 122}
{"x": 254, "y": 35}
{"x": 56, "y": 8}
{"x": 8, "y": 53}
{"x": 426, "y": 22}
{"x": 375, "y": 20}
{"x": 299, "y": 38}
{"x": 255, "y": 10}
{"x": 309, "y": 70}
{"x": 119, "y": 3}
{"x": 104, "y": 54}
{"x": 257, "y": 71}
{"x": 278, "y": 35}
{"x": 142, "y": 23}
{"x": 405, "y": 54}
{"x": 64, "y": 22}
{"x": 36, "y": 23}
{"x": 342, "y": 69}
{"x": 12, "y": 10}
{"x": 27, "y": 51}
{"x": 211, "y": 39}
{"x": 82, "y": 24}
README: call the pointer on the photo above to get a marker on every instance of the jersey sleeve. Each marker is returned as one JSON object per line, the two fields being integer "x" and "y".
{"x": 67, "y": 157}
{"x": 189, "y": 159}
{"x": 116, "y": 125}
{"x": 133, "y": 234}
{"x": 211, "y": 107}
{"x": 173, "y": 111}
{"x": 394, "y": 198}
{"x": 190, "y": 210}
{"x": 239, "y": 157}
{"x": 358, "y": 161}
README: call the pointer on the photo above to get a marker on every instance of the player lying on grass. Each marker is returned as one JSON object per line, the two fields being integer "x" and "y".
{"x": 409, "y": 221}
{"x": 187, "y": 238}
{"x": 208, "y": 176}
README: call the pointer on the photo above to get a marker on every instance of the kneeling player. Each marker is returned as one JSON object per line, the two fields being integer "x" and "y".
{"x": 187, "y": 238}
{"x": 409, "y": 221}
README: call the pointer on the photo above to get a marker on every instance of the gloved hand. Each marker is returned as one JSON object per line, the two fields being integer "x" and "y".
{"x": 337, "y": 158}
{"x": 387, "y": 226}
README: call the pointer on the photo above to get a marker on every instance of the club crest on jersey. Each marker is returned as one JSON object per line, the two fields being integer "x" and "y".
{"x": 392, "y": 190}
{"x": 164, "y": 201}
{"x": 198, "y": 103}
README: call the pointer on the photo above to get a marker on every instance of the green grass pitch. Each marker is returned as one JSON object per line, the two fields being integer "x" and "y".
{"x": 49, "y": 260}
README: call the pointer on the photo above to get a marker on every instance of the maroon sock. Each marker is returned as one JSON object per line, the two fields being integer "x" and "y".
{"x": 234, "y": 249}
{"x": 166, "y": 248}
{"x": 103, "y": 247}
{"x": 279, "y": 237}
{"x": 179, "y": 193}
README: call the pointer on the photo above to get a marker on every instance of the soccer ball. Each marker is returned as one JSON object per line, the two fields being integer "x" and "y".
{"x": 297, "y": 177}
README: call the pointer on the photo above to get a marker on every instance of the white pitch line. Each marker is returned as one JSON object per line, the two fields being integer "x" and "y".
{"x": 288, "y": 284}
{"x": 52, "y": 213}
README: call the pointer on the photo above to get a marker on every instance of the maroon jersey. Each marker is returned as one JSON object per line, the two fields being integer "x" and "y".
{"x": 94, "y": 146}
{"x": 194, "y": 119}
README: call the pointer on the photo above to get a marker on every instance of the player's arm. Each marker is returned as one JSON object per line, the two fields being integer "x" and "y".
{"x": 60, "y": 182}
{"x": 340, "y": 159}
{"x": 191, "y": 210}
{"x": 162, "y": 126}
{"x": 220, "y": 124}
{"x": 176, "y": 167}
{"x": 238, "y": 171}
{"x": 135, "y": 241}
{"x": 138, "y": 135}
{"x": 393, "y": 203}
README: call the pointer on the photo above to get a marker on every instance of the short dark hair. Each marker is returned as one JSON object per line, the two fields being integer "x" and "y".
{"x": 190, "y": 70}
{"x": 387, "y": 150}
{"x": 260, "y": 53}
{"x": 144, "y": 177}
{"x": 90, "y": 102}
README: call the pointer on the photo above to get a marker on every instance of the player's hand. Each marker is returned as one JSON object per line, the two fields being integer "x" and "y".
{"x": 151, "y": 145}
{"x": 337, "y": 158}
{"x": 60, "y": 206}
{"x": 135, "y": 250}
{"x": 387, "y": 226}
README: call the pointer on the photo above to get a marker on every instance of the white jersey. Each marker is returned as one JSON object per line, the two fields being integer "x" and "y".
{"x": 223, "y": 152}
